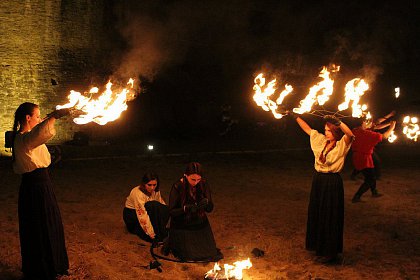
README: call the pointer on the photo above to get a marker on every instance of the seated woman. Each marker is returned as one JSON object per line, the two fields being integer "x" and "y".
{"x": 145, "y": 212}
{"x": 190, "y": 234}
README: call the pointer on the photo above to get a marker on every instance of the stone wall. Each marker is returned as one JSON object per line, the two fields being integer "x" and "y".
{"x": 47, "y": 47}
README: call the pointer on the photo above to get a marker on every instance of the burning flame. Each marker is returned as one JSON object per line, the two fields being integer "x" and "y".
{"x": 353, "y": 91}
{"x": 397, "y": 92}
{"x": 264, "y": 91}
{"x": 319, "y": 93}
{"x": 231, "y": 271}
{"x": 105, "y": 108}
{"x": 392, "y": 137}
{"x": 411, "y": 127}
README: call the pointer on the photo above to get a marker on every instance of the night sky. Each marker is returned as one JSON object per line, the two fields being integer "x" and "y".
{"x": 192, "y": 57}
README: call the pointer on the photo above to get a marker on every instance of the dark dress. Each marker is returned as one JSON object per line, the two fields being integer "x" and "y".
{"x": 325, "y": 223}
{"x": 159, "y": 216}
{"x": 41, "y": 231}
{"x": 190, "y": 234}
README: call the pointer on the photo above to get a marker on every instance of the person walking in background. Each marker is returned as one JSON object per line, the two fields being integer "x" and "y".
{"x": 43, "y": 251}
{"x": 145, "y": 212}
{"x": 190, "y": 234}
{"x": 324, "y": 231}
{"x": 362, "y": 151}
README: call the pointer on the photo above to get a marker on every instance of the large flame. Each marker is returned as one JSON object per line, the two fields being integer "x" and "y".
{"x": 353, "y": 91}
{"x": 319, "y": 93}
{"x": 263, "y": 93}
{"x": 105, "y": 108}
{"x": 230, "y": 271}
{"x": 411, "y": 127}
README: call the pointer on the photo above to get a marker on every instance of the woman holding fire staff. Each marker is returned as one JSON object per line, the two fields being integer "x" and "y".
{"x": 324, "y": 232}
{"x": 190, "y": 234}
{"x": 41, "y": 232}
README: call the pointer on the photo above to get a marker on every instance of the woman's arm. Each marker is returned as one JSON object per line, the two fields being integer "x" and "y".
{"x": 305, "y": 127}
{"x": 348, "y": 134}
{"x": 144, "y": 219}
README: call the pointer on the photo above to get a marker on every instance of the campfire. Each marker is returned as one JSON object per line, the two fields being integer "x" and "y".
{"x": 101, "y": 109}
{"x": 233, "y": 272}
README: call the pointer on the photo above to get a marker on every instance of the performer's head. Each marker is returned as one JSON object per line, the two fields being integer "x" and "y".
{"x": 193, "y": 173}
{"x": 27, "y": 116}
{"x": 333, "y": 132}
{"x": 149, "y": 183}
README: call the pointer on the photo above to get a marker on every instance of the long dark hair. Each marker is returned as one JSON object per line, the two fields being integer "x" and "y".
{"x": 22, "y": 111}
{"x": 335, "y": 130}
{"x": 149, "y": 176}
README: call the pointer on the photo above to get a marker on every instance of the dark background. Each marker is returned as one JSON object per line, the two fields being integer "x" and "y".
{"x": 194, "y": 57}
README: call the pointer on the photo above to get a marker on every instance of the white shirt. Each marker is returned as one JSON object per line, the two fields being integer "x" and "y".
{"x": 136, "y": 200}
{"x": 30, "y": 150}
{"x": 335, "y": 159}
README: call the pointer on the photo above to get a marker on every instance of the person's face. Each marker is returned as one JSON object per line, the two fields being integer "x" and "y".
{"x": 150, "y": 186}
{"x": 329, "y": 134}
{"x": 193, "y": 179}
{"x": 34, "y": 119}
{"x": 367, "y": 124}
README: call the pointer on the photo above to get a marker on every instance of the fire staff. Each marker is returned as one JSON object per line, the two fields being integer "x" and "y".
{"x": 324, "y": 232}
{"x": 41, "y": 232}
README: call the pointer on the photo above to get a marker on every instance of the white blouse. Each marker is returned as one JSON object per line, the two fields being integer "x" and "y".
{"x": 335, "y": 158}
{"x": 136, "y": 200}
{"x": 30, "y": 150}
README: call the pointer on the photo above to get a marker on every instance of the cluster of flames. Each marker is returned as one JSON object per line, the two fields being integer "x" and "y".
{"x": 105, "y": 108}
{"x": 319, "y": 94}
{"x": 229, "y": 271}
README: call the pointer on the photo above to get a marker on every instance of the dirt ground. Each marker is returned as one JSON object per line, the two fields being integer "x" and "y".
{"x": 260, "y": 202}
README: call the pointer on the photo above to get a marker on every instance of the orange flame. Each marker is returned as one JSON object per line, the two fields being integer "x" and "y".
{"x": 397, "y": 92}
{"x": 411, "y": 127}
{"x": 392, "y": 137}
{"x": 230, "y": 271}
{"x": 353, "y": 91}
{"x": 264, "y": 91}
{"x": 107, "y": 107}
{"x": 319, "y": 93}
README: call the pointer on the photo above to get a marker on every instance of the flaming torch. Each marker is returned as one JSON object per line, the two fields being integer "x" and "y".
{"x": 353, "y": 91}
{"x": 264, "y": 91}
{"x": 105, "y": 108}
{"x": 411, "y": 127}
{"x": 392, "y": 137}
{"x": 233, "y": 272}
{"x": 319, "y": 93}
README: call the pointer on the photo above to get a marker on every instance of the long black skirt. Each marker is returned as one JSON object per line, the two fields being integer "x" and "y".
{"x": 194, "y": 244}
{"x": 41, "y": 232}
{"x": 324, "y": 233}
{"x": 159, "y": 216}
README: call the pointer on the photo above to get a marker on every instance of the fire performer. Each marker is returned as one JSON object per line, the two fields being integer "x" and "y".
{"x": 41, "y": 232}
{"x": 362, "y": 149}
{"x": 190, "y": 234}
{"x": 324, "y": 232}
{"x": 146, "y": 213}
{"x": 377, "y": 125}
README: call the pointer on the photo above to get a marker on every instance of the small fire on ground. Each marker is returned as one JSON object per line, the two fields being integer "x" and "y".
{"x": 233, "y": 272}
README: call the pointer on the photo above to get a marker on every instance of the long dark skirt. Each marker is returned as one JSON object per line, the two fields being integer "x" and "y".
{"x": 194, "y": 244}
{"x": 43, "y": 250}
{"x": 326, "y": 215}
{"x": 159, "y": 216}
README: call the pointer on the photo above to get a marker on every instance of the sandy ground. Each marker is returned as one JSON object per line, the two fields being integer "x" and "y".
{"x": 260, "y": 202}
